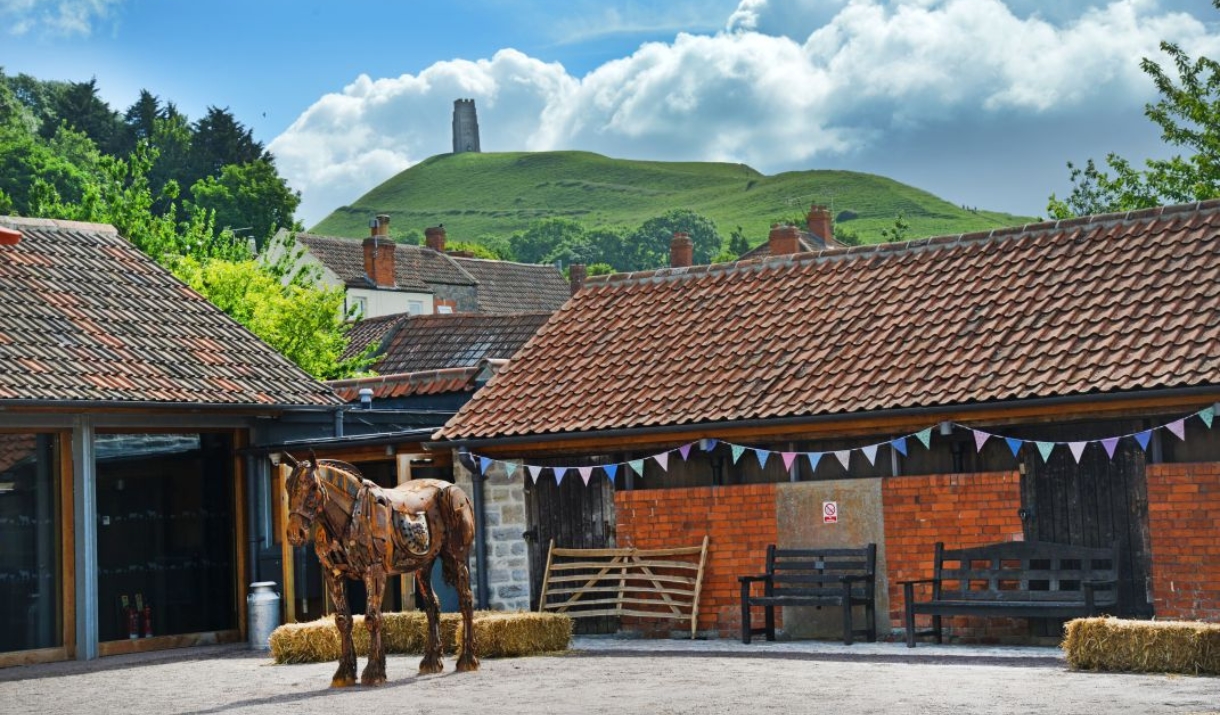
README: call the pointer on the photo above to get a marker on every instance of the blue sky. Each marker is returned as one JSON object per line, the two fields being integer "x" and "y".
{"x": 979, "y": 101}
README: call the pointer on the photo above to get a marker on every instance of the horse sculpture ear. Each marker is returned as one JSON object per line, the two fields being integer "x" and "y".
{"x": 291, "y": 460}
{"x": 313, "y": 458}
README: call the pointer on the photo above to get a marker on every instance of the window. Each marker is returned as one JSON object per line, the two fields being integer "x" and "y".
{"x": 31, "y": 568}
{"x": 415, "y": 307}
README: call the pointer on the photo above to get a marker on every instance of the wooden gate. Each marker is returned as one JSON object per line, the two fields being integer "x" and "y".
{"x": 575, "y": 516}
{"x": 1094, "y": 503}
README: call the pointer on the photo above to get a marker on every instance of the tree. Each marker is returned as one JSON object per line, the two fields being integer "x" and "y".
{"x": 649, "y": 244}
{"x": 140, "y": 121}
{"x": 247, "y": 197}
{"x": 1188, "y": 114}
{"x": 898, "y": 232}
{"x": 544, "y": 237}
{"x": 220, "y": 139}
{"x": 80, "y": 107}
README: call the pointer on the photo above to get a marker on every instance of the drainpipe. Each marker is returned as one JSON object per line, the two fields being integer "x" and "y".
{"x": 339, "y": 421}
{"x": 480, "y": 531}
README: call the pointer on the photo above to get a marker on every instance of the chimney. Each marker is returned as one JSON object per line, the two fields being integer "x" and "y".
{"x": 784, "y": 240}
{"x": 9, "y": 237}
{"x": 819, "y": 223}
{"x": 681, "y": 250}
{"x": 576, "y": 277}
{"x": 379, "y": 253}
{"x": 434, "y": 238}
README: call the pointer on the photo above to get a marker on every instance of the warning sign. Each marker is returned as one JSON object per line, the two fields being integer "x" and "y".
{"x": 830, "y": 512}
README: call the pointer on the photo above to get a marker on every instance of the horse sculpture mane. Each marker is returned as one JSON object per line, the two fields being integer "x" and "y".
{"x": 373, "y": 533}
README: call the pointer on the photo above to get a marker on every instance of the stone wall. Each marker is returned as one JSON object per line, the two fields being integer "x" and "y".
{"x": 507, "y": 556}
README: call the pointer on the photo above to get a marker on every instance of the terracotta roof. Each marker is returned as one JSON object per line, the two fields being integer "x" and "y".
{"x": 507, "y": 287}
{"x": 1104, "y": 304}
{"x": 808, "y": 242}
{"x": 415, "y": 267}
{"x": 85, "y": 316}
{"x": 368, "y": 331}
{"x": 433, "y": 342}
{"x": 425, "y": 382}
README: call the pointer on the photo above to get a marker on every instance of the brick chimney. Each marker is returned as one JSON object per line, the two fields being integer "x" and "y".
{"x": 784, "y": 240}
{"x": 434, "y": 238}
{"x": 379, "y": 253}
{"x": 681, "y": 250}
{"x": 576, "y": 277}
{"x": 819, "y": 223}
{"x": 9, "y": 237}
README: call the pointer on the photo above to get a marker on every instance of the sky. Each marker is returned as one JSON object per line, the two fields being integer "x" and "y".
{"x": 981, "y": 102}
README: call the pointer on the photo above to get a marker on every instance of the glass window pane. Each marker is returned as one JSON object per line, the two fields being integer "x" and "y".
{"x": 30, "y": 568}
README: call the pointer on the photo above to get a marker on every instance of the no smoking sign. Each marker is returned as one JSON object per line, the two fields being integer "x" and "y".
{"x": 830, "y": 512}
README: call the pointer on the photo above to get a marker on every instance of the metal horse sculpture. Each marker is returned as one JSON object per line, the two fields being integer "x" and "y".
{"x": 364, "y": 532}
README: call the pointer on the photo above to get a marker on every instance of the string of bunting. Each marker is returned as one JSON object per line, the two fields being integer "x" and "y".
{"x": 901, "y": 445}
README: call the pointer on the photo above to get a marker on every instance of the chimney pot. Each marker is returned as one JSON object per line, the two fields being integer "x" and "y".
{"x": 379, "y": 225}
{"x": 576, "y": 277}
{"x": 681, "y": 250}
{"x": 784, "y": 240}
{"x": 820, "y": 224}
{"x": 434, "y": 238}
{"x": 9, "y": 237}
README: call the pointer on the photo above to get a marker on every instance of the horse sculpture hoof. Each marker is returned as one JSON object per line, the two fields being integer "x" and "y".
{"x": 430, "y": 667}
{"x": 342, "y": 682}
{"x": 467, "y": 665}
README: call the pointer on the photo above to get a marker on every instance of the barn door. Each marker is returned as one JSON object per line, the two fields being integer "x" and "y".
{"x": 1094, "y": 503}
{"x": 576, "y": 516}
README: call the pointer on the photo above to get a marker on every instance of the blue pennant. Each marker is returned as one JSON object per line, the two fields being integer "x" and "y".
{"x": 1014, "y": 444}
{"x": 611, "y": 470}
{"x": 484, "y": 464}
{"x": 900, "y": 445}
{"x": 1143, "y": 438}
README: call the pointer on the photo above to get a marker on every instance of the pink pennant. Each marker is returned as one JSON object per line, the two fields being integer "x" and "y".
{"x": 663, "y": 460}
{"x": 1111, "y": 444}
{"x": 585, "y": 474}
{"x": 1077, "y": 449}
{"x": 684, "y": 450}
{"x": 980, "y": 438}
{"x": 789, "y": 458}
{"x": 1178, "y": 427}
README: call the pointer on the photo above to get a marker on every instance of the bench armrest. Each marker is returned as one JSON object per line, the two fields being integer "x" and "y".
{"x": 761, "y": 578}
{"x": 918, "y": 580}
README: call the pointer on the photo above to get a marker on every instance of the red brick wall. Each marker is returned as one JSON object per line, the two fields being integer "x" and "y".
{"x": 1184, "y": 520}
{"x": 741, "y": 523}
{"x": 960, "y": 510}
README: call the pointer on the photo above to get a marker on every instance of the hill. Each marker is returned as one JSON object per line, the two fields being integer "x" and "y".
{"x": 499, "y": 193}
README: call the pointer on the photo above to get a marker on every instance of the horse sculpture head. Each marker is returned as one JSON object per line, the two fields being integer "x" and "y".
{"x": 306, "y": 498}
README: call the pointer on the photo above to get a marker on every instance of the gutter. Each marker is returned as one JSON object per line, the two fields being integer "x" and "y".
{"x": 1212, "y": 391}
{"x": 169, "y": 406}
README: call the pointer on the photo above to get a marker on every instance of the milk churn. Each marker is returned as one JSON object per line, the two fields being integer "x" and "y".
{"x": 263, "y": 611}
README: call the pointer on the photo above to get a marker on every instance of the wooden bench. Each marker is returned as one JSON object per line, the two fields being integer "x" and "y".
{"x": 1017, "y": 579}
{"x": 813, "y": 577}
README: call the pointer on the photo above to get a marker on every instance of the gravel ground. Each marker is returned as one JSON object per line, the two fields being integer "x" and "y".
{"x": 616, "y": 676}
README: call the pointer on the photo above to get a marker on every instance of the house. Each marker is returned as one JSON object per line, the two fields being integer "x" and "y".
{"x": 382, "y": 278}
{"x": 818, "y": 235}
{"x": 1055, "y": 381}
{"x": 412, "y": 343}
{"x": 124, "y": 397}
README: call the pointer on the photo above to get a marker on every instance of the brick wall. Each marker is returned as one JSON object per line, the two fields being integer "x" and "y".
{"x": 740, "y": 521}
{"x": 960, "y": 510}
{"x": 1184, "y": 520}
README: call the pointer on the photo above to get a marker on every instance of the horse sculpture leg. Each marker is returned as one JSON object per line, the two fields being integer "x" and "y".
{"x": 432, "y": 662}
{"x": 457, "y": 573}
{"x": 374, "y": 670}
{"x": 346, "y": 674}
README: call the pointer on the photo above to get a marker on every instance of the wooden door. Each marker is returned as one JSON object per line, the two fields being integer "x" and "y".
{"x": 574, "y": 515}
{"x": 1094, "y": 503}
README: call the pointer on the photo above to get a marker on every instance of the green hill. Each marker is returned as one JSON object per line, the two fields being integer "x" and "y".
{"x": 480, "y": 194}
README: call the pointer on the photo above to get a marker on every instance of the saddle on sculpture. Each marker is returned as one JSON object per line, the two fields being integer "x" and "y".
{"x": 381, "y": 524}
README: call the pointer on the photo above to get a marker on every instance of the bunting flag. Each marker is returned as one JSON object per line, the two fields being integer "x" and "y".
{"x": 871, "y": 453}
{"x": 663, "y": 460}
{"x": 510, "y": 468}
{"x": 1178, "y": 427}
{"x": 1110, "y": 445}
{"x": 611, "y": 471}
{"x": 534, "y": 472}
{"x": 585, "y": 474}
{"x": 684, "y": 450}
{"x": 1208, "y": 415}
{"x": 710, "y": 444}
{"x": 925, "y": 436}
{"x": 484, "y": 464}
{"x": 789, "y": 458}
{"x": 900, "y": 445}
{"x": 980, "y": 438}
{"x": 814, "y": 458}
{"x": 1143, "y": 438}
{"x": 763, "y": 455}
{"x": 1014, "y": 444}
{"x": 738, "y": 450}
{"x": 1077, "y": 449}
{"x": 559, "y": 474}
{"x": 844, "y": 457}
{"x": 1045, "y": 449}
{"x": 637, "y": 466}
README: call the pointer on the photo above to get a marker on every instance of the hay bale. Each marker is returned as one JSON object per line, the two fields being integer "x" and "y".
{"x": 497, "y": 634}
{"x": 1143, "y": 646}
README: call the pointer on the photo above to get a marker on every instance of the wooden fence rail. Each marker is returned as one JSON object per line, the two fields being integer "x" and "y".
{"x": 649, "y": 583}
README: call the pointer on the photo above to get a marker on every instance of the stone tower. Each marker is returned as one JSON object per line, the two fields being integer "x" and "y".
{"x": 465, "y": 126}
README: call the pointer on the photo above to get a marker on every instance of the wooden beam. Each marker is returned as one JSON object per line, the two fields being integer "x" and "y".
{"x": 242, "y": 526}
{"x": 67, "y": 543}
{"x": 146, "y": 645}
{"x": 290, "y": 606}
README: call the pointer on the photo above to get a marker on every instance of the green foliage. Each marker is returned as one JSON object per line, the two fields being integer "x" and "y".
{"x": 738, "y": 243}
{"x": 599, "y": 269}
{"x": 1188, "y": 114}
{"x": 649, "y": 244}
{"x": 410, "y": 237}
{"x": 29, "y": 166}
{"x": 847, "y": 236}
{"x": 897, "y": 233}
{"x": 543, "y": 238}
{"x": 475, "y": 249}
{"x": 248, "y": 197}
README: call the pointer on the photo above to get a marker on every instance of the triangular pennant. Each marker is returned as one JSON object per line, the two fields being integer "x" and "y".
{"x": 1077, "y": 449}
{"x": 844, "y": 457}
{"x": 637, "y": 466}
{"x": 1207, "y": 416}
{"x": 789, "y": 458}
{"x": 684, "y": 450}
{"x": 763, "y": 455}
{"x": 925, "y": 436}
{"x": 534, "y": 472}
{"x": 611, "y": 471}
{"x": 1143, "y": 438}
{"x": 1014, "y": 444}
{"x": 485, "y": 464}
{"x": 900, "y": 445}
{"x": 870, "y": 452}
{"x": 738, "y": 450}
{"x": 585, "y": 474}
{"x": 814, "y": 458}
{"x": 709, "y": 444}
{"x": 559, "y": 473}
{"x": 663, "y": 460}
{"x": 980, "y": 438}
{"x": 510, "y": 468}
{"x": 1045, "y": 449}
{"x": 1110, "y": 444}
{"x": 1178, "y": 427}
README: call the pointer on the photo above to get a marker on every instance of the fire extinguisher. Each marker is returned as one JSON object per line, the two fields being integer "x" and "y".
{"x": 133, "y": 621}
{"x": 147, "y": 620}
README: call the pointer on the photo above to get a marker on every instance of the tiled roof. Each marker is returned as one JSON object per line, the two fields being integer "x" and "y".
{"x": 425, "y": 382}
{"x": 1106, "y": 304}
{"x": 433, "y": 342}
{"x": 369, "y": 331}
{"x": 415, "y": 267}
{"x": 507, "y": 287}
{"x": 85, "y": 316}
{"x": 808, "y": 242}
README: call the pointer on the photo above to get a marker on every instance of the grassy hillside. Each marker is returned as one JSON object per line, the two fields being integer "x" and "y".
{"x": 497, "y": 194}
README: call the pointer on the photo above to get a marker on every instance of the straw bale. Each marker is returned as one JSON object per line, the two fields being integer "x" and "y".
{"x": 511, "y": 635}
{"x": 1143, "y": 646}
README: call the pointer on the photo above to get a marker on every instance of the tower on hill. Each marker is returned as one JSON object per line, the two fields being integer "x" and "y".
{"x": 465, "y": 126}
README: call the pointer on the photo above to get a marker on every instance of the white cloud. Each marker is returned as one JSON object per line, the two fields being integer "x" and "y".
{"x": 788, "y": 84}
{"x": 55, "y": 17}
